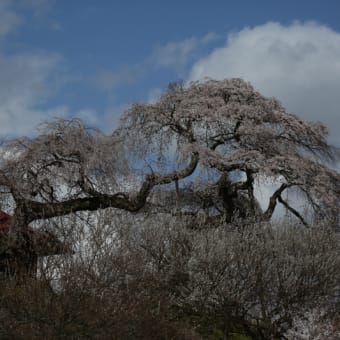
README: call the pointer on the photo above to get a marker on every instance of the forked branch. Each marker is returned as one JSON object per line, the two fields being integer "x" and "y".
{"x": 38, "y": 210}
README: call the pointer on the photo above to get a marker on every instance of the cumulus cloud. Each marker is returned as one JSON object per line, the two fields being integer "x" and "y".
{"x": 26, "y": 82}
{"x": 299, "y": 64}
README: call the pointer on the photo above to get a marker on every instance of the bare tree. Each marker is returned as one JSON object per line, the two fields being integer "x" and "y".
{"x": 155, "y": 277}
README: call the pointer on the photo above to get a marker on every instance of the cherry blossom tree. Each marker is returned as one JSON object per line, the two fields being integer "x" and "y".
{"x": 232, "y": 136}
{"x": 205, "y": 144}
{"x": 165, "y": 223}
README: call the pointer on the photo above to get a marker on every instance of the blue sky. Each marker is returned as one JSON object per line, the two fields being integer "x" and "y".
{"x": 92, "y": 58}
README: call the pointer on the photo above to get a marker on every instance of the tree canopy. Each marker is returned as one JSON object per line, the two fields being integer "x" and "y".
{"x": 168, "y": 237}
{"x": 214, "y": 139}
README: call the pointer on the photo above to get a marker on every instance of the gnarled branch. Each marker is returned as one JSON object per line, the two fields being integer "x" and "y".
{"x": 38, "y": 210}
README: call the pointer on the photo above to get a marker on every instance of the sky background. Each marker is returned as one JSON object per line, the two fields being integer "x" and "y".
{"x": 91, "y": 59}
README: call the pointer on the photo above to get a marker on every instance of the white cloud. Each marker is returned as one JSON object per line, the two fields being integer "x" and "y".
{"x": 176, "y": 54}
{"x": 112, "y": 114}
{"x": 299, "y": 64}
{"x": 16, "y": 13}
{"x": 9, "y": 20}
{"x": 88, "y": 115}
{"x": 26, "y": 82}
{"x": 154, "y": 95}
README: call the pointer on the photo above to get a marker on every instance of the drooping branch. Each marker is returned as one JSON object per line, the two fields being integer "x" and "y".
{"x": 230, "y": 125}
{"x": 38, "y": 210}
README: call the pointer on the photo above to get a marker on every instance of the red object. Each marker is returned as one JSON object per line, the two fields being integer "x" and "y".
{"x": 5, "y": 220}
{"x": 44, "y": 243}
